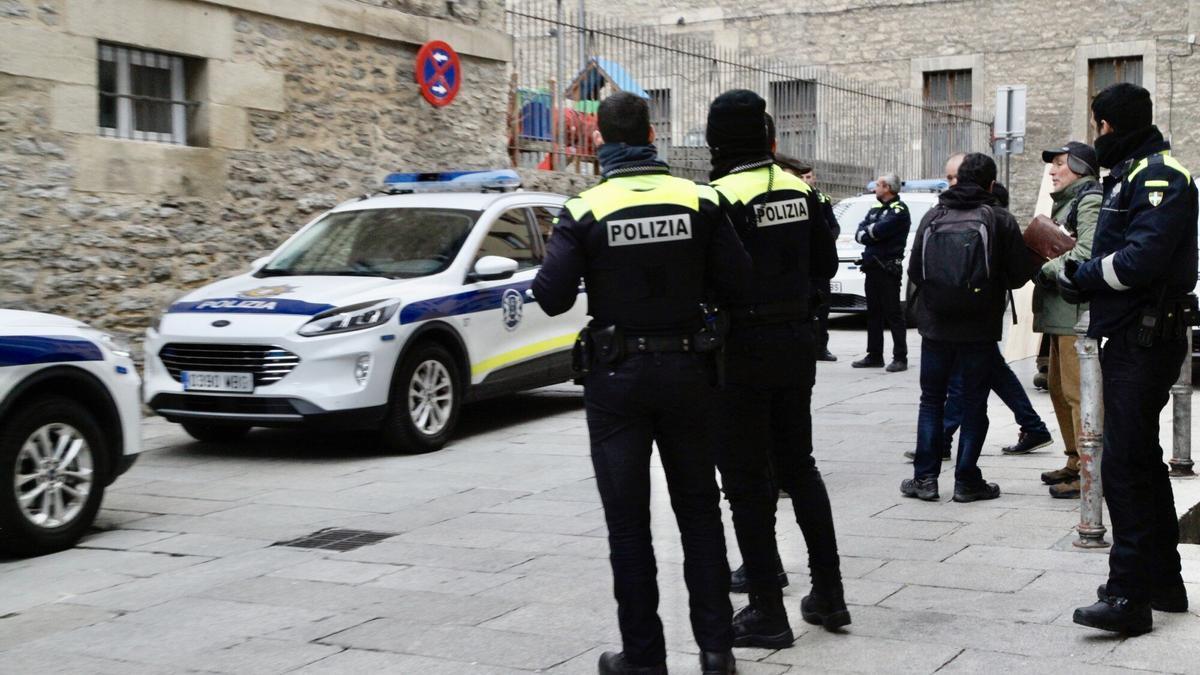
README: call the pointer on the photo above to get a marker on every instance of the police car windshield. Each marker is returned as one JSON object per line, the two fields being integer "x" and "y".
{"x": 393, "y": 243}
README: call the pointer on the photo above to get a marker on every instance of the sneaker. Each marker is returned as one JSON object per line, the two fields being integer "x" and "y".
{"x": 1069, "y": 490}
{"x": 827, "y": 356}
{"x": 1057, "y": 476}
{"x": 974, "y": 493}
{"x": 868, "y": 362}
{"x": 1028, "y": 442}
{"x": 897, "y": 366}
{"x": 738, "y": 583}
{"x": 1118, "y": 615}
{"x": 922, "y": 488}
{"x": 911, "y": 455}
{"x": 763, "y": 623}
{"x": 614, "y": 663}
{"x": 1173, "y": 599}
{"x": 826, "y": 609}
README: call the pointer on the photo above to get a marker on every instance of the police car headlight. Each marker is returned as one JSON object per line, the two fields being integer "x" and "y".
{"x": 115, "y": 345}
{"x": 351, "y": 318}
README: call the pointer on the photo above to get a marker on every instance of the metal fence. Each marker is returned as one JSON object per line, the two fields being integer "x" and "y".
{"x": 566, "y": 61}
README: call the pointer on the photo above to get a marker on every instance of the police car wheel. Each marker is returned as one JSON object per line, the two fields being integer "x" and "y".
{"x": 53, "y": 470}
{"x": 426, "y": 396}
{"x": 215, "y": 433}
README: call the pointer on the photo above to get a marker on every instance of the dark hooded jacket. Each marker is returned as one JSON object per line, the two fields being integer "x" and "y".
{"x": 1009, "y": 263}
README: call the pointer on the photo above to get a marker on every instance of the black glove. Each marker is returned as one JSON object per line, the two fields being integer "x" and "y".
{"x": 1044, "y": 281}
{"x": 1067, "y": 288}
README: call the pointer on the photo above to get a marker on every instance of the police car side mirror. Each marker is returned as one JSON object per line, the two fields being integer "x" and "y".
{"x": 493, "y": 268}
{"x": 258, "y": 264}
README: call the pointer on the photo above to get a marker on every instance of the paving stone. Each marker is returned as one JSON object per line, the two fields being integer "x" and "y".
{"x": 122, "y": 539}
{"x": 541, "y": 507}
{"x": 979, "y": 661}
{"x": 1081, "y": 560}
{"x": 363, "y": 661}
{"x": 59, "y": 662}
{"x": 819, "y": 650}
{"x": 466, "y": 643}
{"x": 441, "y": 580}
{"x": 911, "y": 510}
{"x": 335, "y": 571}
{"x": 432, "y": 555}
{"x": 259, "y": 656}
{"x": 949, "y": 575}
{"x": 211, "y": 545}
{"x": 897, "y": 549}
{"x": 577, "y": 590}
{"x": 125, "y": 501}
{"x": 955, "y": 601}
{"x": 18, "y": 628}
{"x": 893, "y": 528}
{"x": 1171, "y": 647}
{"x": 165, "y": 644}
{"x": 597, "y": 620}
{"x": 312, "y": 631}
{"x": 211, "y": 490}
{"x": 451, "y": 534}
{"x": 1017, "y": 535}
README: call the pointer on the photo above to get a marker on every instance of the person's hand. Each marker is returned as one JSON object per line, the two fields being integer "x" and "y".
{"x": 1044, "y": 281}
{"x": 1067, "y": 288}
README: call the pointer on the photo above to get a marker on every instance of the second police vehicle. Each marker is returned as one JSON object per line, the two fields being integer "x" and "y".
{"x": 386, "y": 312}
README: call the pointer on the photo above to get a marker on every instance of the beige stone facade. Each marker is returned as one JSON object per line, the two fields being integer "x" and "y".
{"x": 1047, "y": 46}
{"x": 298, "y": 105}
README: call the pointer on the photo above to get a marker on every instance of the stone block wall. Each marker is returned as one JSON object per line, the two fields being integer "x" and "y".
{"x": 301, "y": 106}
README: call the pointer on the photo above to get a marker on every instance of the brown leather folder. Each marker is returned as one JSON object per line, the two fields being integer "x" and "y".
{"x": 1045, "y": 239}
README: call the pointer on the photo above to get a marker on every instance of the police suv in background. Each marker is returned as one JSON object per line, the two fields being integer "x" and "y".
{"x": 848, "y": 287}
{"x": 386, "y": 312}
{"x": 70, "y": 424}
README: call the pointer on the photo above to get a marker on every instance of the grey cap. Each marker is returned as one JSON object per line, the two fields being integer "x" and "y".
{"x": 1081, "y": 158}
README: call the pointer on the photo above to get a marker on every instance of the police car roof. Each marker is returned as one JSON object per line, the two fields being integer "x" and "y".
{"x": 472, "y": 201}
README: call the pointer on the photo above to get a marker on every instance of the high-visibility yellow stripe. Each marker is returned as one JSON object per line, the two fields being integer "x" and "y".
{"x": 1158, "y": 183}
{"x": 523, "y": 353}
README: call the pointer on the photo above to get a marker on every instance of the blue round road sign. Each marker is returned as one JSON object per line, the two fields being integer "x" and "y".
{"x": 438, "y": 72}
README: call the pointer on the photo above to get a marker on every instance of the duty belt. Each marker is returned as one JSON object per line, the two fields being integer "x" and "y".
{"x": 659, "y": 343}
{"x": 771, "y": 312}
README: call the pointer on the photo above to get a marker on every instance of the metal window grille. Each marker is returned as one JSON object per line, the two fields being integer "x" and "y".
{"x": 794, "y": 107}
{"x": 1105, "y": 72}
{"x": 143, "y": 95}
{"x": 947, "y": 127}
{"x": 660, "y": 119}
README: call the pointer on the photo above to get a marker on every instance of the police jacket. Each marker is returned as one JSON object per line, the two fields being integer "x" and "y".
{"x": 779, "y": 219}
{"x": 827, "y": 212}
{"x": 1145, "y": 243}
{"x": 884, "y": 232}
{"x": 650, "y": 248}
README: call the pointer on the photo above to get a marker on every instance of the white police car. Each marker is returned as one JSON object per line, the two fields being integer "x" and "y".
{"x": 386, "y": 312}
{"x": 848, "y": 287}
{"x": 70, "y": 419}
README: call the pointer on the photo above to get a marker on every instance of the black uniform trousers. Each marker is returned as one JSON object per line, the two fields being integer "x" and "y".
{"x": 1137, "y": 489}
{"x": 883, "y": 308}
{"x": 767, "y": 446}
{"x": 822, "y": 314}
{"x": 668, "y": 399}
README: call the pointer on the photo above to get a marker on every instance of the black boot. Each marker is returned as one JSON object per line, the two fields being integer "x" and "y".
{"x": 718, "y": 663}
{"x": 826, "y": 606}
{"x": 1119, "y": 615}
{"x": 1172, "y": 599}
{"x": 740, "y": 583}
{"x": 614, "y": 663}
{"x": 763, "y": 623}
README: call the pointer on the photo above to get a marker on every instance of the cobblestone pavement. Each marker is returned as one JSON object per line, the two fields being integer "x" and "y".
{"x": 498, "y": 563}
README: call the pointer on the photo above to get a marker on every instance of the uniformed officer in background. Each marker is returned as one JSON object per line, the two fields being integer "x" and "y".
{"x": 884, "y": 236}
{"x": 806, "y": 173}
{"x": 652, "y": 248}
{"x": 771, "y": 369}
{"x": 1142, "y": 269}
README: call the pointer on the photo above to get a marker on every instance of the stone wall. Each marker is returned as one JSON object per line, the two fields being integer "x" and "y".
{"x": 296, "y": 114}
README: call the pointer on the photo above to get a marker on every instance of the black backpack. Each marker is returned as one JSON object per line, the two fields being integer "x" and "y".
{"x": 956, "y": 259}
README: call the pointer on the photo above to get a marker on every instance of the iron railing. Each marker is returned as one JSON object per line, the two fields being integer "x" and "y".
{"x": 567, "y": 60}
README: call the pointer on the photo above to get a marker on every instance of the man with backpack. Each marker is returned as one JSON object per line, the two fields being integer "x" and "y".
{"x": 967, "y": 254}
{"x": 1077, "y": 196}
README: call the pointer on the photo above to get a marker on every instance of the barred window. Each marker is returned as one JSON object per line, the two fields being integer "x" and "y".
{"x": 794, "y": 107}
{"x": 660, "y": 119}
{"x": 946, "y": 120}
{"x": 143, "y": 95}
{"x": 1105, "y": 72}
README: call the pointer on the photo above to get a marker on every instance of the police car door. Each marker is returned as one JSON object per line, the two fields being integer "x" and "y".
{"x": 506, "y": 339}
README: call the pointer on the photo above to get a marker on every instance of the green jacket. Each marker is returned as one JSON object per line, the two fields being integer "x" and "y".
{"x": 1052, "y": 314}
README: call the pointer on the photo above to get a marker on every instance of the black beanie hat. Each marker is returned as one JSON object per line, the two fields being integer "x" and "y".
{"x": 1127, "y": 107}
{"x": 737, "y": 119}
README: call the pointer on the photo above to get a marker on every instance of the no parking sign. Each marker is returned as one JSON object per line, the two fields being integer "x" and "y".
{"x": 438, "y": 72}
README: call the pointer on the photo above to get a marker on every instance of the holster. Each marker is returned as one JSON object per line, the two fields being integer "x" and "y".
{"x": 581, "y": 355}
{"x": 608, "y": 345}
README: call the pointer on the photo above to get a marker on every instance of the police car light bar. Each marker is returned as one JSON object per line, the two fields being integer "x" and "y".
{"x": 452, "y": 181}
{"x": 922, "y": 185}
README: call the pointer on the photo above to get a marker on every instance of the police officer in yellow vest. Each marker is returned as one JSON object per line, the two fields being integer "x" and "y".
{"x": 771, "y": 365}
{"x": 651, "y": 248}
{"x": 1142, "y": 269}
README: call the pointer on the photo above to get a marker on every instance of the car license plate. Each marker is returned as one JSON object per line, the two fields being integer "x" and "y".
{"x": 194, "y": 380}
{"x": 835, "y": 286}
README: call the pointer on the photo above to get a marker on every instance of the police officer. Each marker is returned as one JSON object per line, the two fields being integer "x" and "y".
{"x": 1143, "y": 266}
{"x": 771, "y": 369}
{"x": 884, "y": 235}
{"x": 824, "y": 292}
{"x": 651, "y": 248}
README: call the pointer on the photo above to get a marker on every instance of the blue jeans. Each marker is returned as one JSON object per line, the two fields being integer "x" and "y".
{"x": 971, "y": 363}
{"x": 1004, "y": 382}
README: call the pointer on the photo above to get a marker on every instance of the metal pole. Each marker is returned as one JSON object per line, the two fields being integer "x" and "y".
{"x": 1091, "y": 439}
{"x": 560, "y": 134}
{"x": 1181, "y": 396}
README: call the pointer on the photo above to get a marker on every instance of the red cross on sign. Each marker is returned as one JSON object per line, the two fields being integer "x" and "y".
{"x": 438, "y": 72}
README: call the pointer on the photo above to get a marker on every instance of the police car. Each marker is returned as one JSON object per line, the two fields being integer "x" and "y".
{"x": 70, "y": 419}
{"x": 386, "y": 313}
{"x": 848, "y": 287}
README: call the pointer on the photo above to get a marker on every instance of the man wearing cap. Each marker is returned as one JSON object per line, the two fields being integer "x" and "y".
{"x": 1142, "y": 270}
{"x": 1077, "y": 196}
{"x": 651, "y": 248}
{"x": 771, "y": 369}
